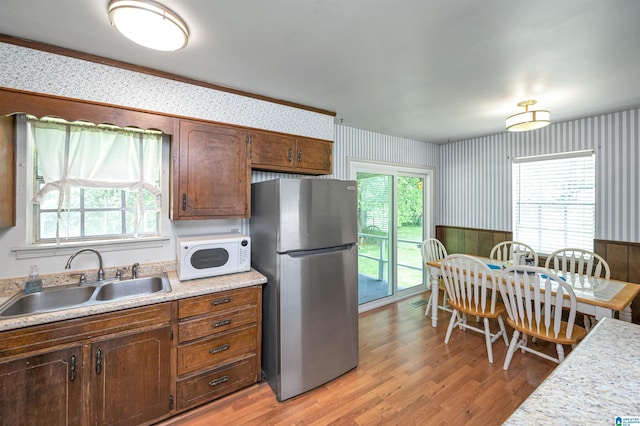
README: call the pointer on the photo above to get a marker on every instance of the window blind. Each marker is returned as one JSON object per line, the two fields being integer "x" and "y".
{"x": 554, "y": 201}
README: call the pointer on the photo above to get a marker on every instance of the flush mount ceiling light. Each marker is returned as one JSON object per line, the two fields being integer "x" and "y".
{"x": 528, "y": 120}
{"x": 149, "y": 24}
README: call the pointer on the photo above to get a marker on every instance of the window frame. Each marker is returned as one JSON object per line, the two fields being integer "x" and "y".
{"x": 34, "y": 210}
{"x": 517, "y": 214}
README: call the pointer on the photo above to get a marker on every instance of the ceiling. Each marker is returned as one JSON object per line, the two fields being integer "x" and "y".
{"x": 427, "y": 70}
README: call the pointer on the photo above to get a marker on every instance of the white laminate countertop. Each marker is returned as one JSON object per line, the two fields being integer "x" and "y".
{"x": 598, "y": 382}
{"x": 179, "y": 290}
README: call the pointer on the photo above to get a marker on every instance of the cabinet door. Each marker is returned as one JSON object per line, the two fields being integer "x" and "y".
{"x": 313, "y": 155}
{"x": 213, "y": 172}
{"x": 42, "y": 389}
{"x": 7, "y": 173}
{"x": 131, "y": 380}
{"x": 272, "y": 151}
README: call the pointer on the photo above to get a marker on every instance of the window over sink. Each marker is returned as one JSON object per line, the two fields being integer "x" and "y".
{"x": 93, "y": 182}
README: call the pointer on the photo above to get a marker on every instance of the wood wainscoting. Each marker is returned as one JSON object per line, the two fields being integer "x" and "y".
{"x": 623, "y": 257}
{"x": 477, "y": 242}
{"x": 624, "y": 260}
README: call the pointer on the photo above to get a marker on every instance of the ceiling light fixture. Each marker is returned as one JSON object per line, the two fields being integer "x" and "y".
{"x": 528, "y": 120}
{"x": 149, "y": 24}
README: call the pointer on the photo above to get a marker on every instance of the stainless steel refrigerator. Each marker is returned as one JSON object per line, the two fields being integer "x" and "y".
{"x": 303, "y": 235}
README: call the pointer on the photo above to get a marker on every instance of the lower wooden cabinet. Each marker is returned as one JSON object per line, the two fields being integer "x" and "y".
{"x": 214, "y": 383}
{"x": 42, "y": 388}
{"x": 218, "y": 344}
{"x": 102, "y": 370}
{"x": 131, "y": 381}
{"x": 131, "y": 367}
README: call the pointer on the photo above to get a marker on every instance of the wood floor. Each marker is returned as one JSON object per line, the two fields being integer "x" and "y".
{"x": 406, "y": 376}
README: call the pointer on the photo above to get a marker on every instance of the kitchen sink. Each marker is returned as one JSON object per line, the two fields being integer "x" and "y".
{"x": 77, "y": 296}
{"x": 133, "y": 287}
{"x": 49, "y": 299}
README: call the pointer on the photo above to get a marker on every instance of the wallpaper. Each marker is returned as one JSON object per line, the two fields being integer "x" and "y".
{"x": 475, "y": 188}
{"x": 32, "y": 70}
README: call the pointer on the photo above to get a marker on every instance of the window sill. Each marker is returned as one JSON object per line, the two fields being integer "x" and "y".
{"x": 67, "y": 249}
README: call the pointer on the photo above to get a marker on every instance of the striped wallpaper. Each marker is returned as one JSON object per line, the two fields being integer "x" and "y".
{"x": 475, "y": 174}
{"x": 351, "y": 143}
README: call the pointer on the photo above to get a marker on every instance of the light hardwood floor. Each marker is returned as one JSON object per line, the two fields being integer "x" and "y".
{"x": 406, "y": 376}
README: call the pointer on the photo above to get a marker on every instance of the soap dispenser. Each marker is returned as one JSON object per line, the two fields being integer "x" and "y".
{"x": 34, "y": 282}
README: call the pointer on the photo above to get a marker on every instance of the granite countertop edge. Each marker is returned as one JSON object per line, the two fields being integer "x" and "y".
{"x": 179, "y": 290}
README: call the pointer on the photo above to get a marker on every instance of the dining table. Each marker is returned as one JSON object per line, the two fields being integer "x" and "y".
{"x": 598, "y": 297}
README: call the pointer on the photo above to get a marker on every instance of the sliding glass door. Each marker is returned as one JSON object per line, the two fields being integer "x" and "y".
{"x": 391, "y": 224}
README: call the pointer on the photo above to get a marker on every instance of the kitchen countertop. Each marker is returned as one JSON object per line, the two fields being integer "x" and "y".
{"x": 179, "y": 290}
{"x": 597, "y": 382}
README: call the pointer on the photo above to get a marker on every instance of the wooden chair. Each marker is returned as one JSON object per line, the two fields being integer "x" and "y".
{"x": 527, "y": 295}
{"x": 472, "y": 290}
{"x": 581, "y": 263}
{"x": 507, "y": 250}
{"x": 433, "y": 249}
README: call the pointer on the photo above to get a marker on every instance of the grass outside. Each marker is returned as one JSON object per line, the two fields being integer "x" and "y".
{"x": 408, "y": 254}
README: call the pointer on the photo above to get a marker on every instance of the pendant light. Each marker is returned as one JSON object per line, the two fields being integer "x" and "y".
{"x": 528, "y": 120}
{"x": 149, "y": 24}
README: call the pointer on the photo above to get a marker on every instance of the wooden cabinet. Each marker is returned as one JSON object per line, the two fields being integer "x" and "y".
{"x": 42, "y": 388}
{"x": 210, "y": 172}
{"x": 131, "y": 381}
{"x": 118, "y": 363}
{"x": 7, "y": 173}
{"x": 126, "y": 367}
{"x": 291, "y": 154}
{"x": 219, "y": 338}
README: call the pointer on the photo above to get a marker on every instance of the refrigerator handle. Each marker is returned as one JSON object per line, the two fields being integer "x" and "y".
{"x": 302, "y": 253}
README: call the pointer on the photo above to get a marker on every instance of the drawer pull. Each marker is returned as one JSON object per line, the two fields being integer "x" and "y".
{"x": 221, "y": 301}
{"x": 219, "y": 349}
{"x": 72, "y": 368}
{"x": 219, "y": 381}
{"x": 221, "y": 323}
{"x": 99, "y": 361}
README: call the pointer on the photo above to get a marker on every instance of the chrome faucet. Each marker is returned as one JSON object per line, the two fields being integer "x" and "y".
{"x": 134, "y": 270}
{"x": 100, "y": 270}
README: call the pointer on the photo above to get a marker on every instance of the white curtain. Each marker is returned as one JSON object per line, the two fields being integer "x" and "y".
{"x": 87, "y": 156}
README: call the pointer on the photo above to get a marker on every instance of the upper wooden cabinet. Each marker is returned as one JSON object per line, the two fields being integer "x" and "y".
{"x": 291, "y": 154}
{"x": 7, "y": 173}
{"x": 211, "y": 173}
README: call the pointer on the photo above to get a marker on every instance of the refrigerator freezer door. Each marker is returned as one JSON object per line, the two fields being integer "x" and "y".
{"x": 315, "y": 213}
{"x": 318, "y": 319}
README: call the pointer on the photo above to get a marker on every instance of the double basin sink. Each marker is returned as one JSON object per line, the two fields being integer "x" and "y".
{"x": 77, "y": 296}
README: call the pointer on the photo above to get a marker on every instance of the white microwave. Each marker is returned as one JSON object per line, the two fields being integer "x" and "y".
{"x": 200, "y": 256}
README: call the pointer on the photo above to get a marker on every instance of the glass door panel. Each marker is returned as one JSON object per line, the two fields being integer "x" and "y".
{"x": 391, "y": 227}
{"x": 375, "y": 203}
{"x": 410, "y": 219}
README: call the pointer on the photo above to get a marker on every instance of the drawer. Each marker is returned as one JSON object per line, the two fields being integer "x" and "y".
{"x": 217, "y": 302}
{"x": 215, "y": 383}
{"x": 214, "y": 351}
{"x": 211, "y": 324}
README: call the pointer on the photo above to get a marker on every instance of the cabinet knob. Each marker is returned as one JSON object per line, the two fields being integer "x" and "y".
{"x": 290, "y": 155}
{"x": 299, "y": 156}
